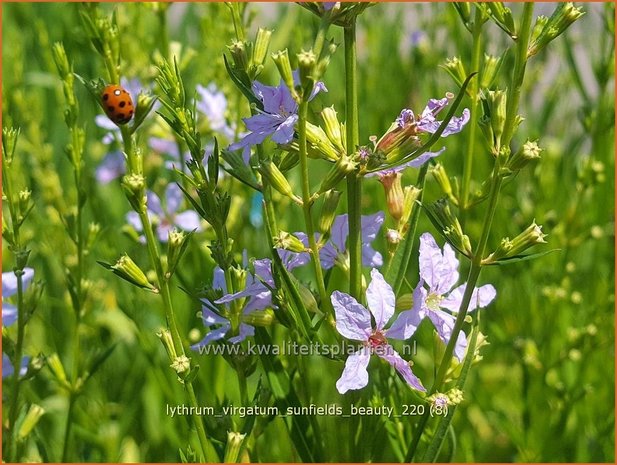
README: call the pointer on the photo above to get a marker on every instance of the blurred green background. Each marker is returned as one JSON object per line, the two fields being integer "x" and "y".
{"x": 544, "y": 390}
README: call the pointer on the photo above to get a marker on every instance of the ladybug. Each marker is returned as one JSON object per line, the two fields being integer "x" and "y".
{"x": 117, "y": 104}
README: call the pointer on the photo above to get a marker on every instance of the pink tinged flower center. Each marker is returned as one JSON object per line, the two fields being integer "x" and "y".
{"x": 377, "y": 339}
{"x": 433, "y": 301}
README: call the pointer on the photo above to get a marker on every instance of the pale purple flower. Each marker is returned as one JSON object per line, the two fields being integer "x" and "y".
{"x": 213, "y": 105}
{"x": 415, "y": 163}
{"x": 353, "y": 321}
{"x": 439, "y": 272}
{"x": 328, "y": 5}
{"x": 335, "y": 250}
{"x": 278, "y": 118}
{"x": 257, "y": 291}
{"x": 9, "y": 314}
{"x": 9, "y": 289}
{"x": 7, "y": 366}
{"x": 111, "y": 167}
{"x": 168, "y": 217}
{"x": 428, "y": 123}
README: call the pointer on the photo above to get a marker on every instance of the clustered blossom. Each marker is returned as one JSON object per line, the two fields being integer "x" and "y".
{"x": 166, "y": 218}
{"x": 256, "y": 291}
{"x": 278, "y": 118}
{"x": 353, "y": 321}
{"x": 9, "y": 315}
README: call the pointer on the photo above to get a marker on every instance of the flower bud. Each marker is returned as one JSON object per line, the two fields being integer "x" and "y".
{"x": 9, "y": 142}
{"x": 318, "y": 141}
{"x": 259, "y": 318}
{"x": 332, "y": 127}
{"x": 337, "y": 173}
{"x": 400, "y": 139}
{"x": 181, "y": 364}
{"x": 411, "y": 195}
{"x": 456, "y": 69}
{"x": 306, "y": 62}
{"x": 61, "y": 60}
{"x": 94, "y": 229}
{"x": 455, "y": 396}
{"x": 281, "y": 60}
{"x": 288, "y": 241}
{"x": 128, "y": 270}
{"x": 502, "y": 16}
{"x": 55, "y": 365}
{"x": 134, "y": 186}
{"x": 277, "y": 179}
{"x": 260, "y": 51}
{"x": 25, "y": 202}
{"x": 176, "y": 246}
{"x": 35, "y": 412}
{"x": 442, "y": 217}
{"x": 233, "y": 446}
{"x": 328, "y": 212}
{"x": 165, "y": 336}
{"x": 530, "y": 151}
{"x": 490, "y": 69}
{"x": 308, "y": 298}
{"x": 393, "y": 236}
{"x": 145, "y": 102}
{"x": 531, "y": 236}
{"x": 239, "y": 55}
{"x": 561, "y": 19}
{"x": 439, "y": 173}
{"x": 395, "y": 198}
{"x": 494, "y": 103}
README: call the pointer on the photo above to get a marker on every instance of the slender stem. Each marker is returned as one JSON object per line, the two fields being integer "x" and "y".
{"x": 21, "y": 327}
{"x": 354, "y": 183}
{"x": 473, "y": 92}
{"x": 164, "y": 33}
{"x": 520, "y": 62}
{"x": 67, "y": 430}
{"x": 306, "y": 207}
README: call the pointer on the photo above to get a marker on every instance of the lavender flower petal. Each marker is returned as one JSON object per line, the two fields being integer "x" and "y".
{"x": 188, "y": 221}
{"x": 390, "y": 355}
{"x": 480, "y": 298}
{"x": 111, "y": 167}
{"x": 354, "y": 375}
{"x": 380, "y": 299}
{"x": 353, "y": 321}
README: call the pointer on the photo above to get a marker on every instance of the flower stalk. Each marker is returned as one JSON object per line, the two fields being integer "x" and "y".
{"x": 354, "y": 182}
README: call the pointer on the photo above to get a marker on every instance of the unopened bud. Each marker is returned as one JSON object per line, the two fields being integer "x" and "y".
{"x": 494, "y": 104}
{"x": 395, "y": 198}
{"x": 455, "y": 396}
{"x": 328, "y": 212}
{"x": 181, "y": 364}
{"x": 288, "y": 241}
{"x": 278, "y": 180}
{"x": 134, "y": 186}
{"x": 35, "y": 412}
{"x": 61, "y": 60}
{"x": 239, "y": 54}
{"x": 176, "y": 246}
{"x": 510, "y": 248}
{"x": 259, "y": 318}
{"x": 455, "y": 68}
{"x": 165, "y": 336}
{"x": 9, "y": 142}
{"x": 262, "y": 42}
{"x": 233, "y": 446}
{"x": 128, "y": 270}
{"x": 343, "y": 166}
{"x": 443, "y": 180}
{"x": 281, "y": 60}
{"x": 561, "y": 19}
{"x": 306, "y": 63}
{"x": 411, "y": 195}
{"x": 530, "y": 151}
{"x": 332, "y": 127}
{"x": 489, "y": 71}
{"x": 442, "y": 217}
{"x": 319, "y": 142}
{"x": 145, "y": 103}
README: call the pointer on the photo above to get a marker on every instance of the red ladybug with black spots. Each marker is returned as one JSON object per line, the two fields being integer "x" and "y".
{"x": 117, "y": 104}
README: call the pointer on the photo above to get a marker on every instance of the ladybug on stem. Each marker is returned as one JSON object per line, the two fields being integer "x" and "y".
{"x": 117, "y": 104}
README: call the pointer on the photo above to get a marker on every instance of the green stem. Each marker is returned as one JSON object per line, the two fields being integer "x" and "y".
{"x": 354, "y": 183}
{"x": 306, "y": 207}
{"x": 67, "y": 430}
{"x": 163, "y": 34}
{"x": 21, "y": 328}
{"x": 473, "y": 92}
{"x": 520, "y": 62}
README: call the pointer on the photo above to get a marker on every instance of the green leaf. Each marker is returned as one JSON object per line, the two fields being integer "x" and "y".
{"x": 243, "y": 83}
{"x": 522, "y": 258}
{"x": 239, "y": 170}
